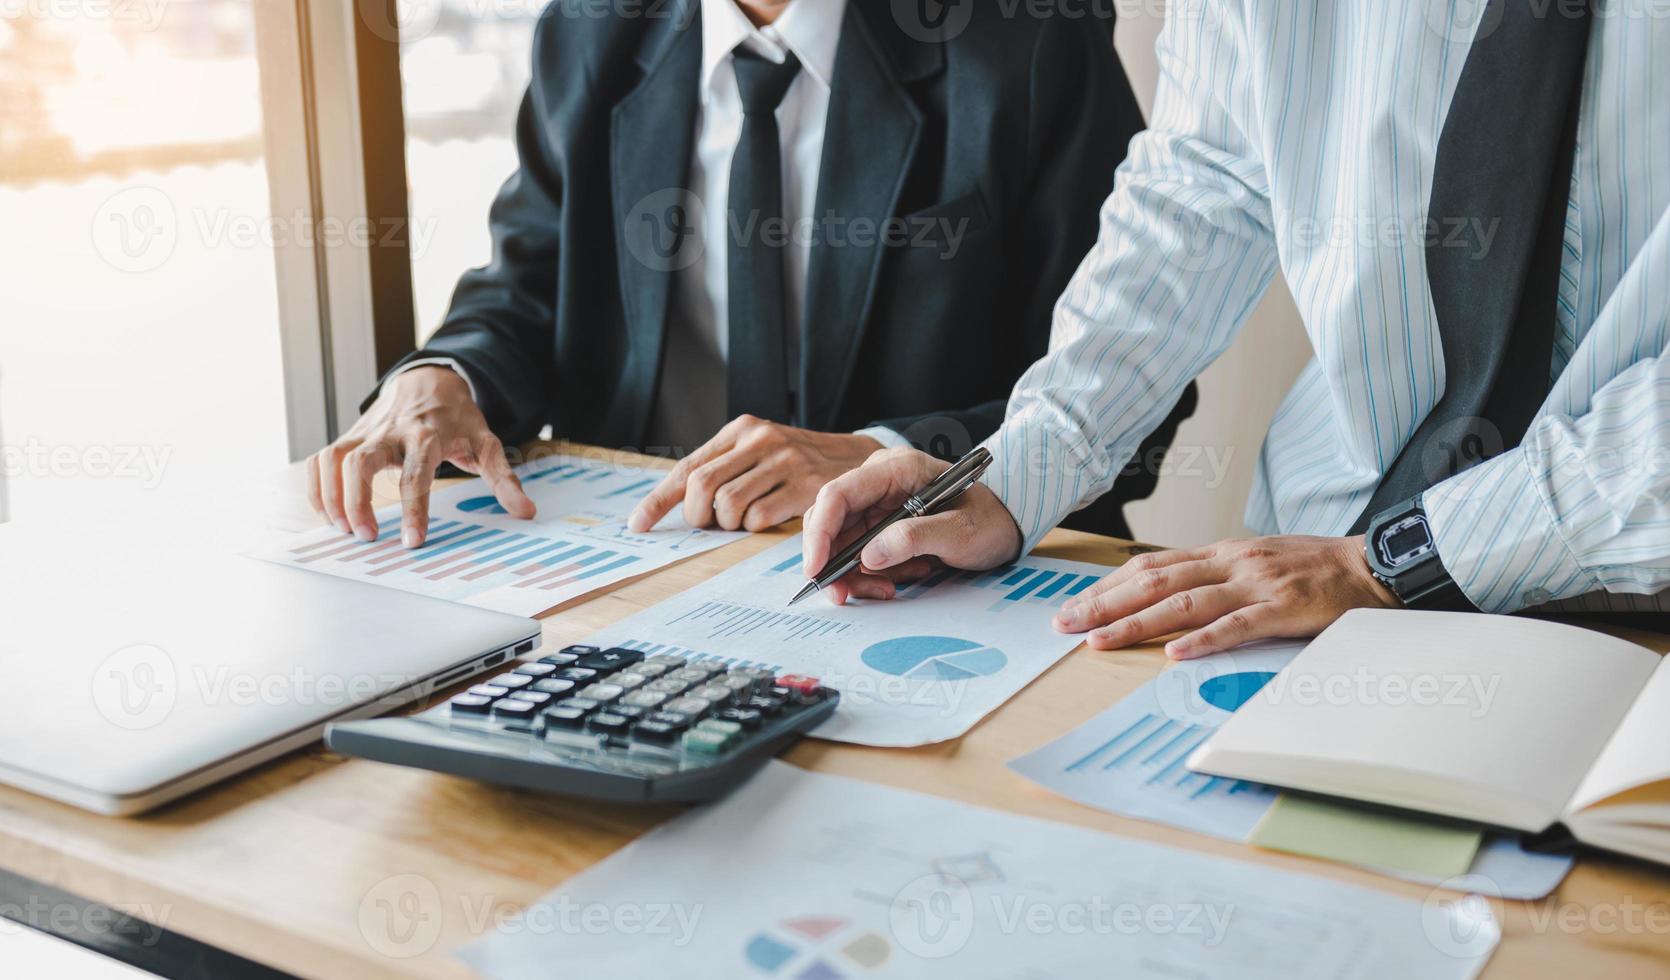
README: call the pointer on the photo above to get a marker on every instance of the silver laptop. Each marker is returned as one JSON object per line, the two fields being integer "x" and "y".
{"x": 134, "y": 671}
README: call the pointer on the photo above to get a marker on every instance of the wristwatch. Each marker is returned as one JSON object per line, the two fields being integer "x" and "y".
{"x": 1402, "y": 554}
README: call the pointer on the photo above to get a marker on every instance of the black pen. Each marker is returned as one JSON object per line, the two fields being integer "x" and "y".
{"x": 947, "y": 487}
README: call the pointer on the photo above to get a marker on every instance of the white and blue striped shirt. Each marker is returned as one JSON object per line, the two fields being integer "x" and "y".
{"x": 1300, "y": 135}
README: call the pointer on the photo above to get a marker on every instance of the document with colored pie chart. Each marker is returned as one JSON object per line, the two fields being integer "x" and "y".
{"x": 920, "y": 668}
{"x": 479, "y": 555}
{"x": 802, "y": 876}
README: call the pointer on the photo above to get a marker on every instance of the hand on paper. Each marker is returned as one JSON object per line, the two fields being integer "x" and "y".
{"x": 1226, "y": 594}
{"x": 422, "y": 417}
{"x": 753, "y": 475}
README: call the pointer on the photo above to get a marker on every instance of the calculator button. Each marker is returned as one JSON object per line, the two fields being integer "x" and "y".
{"x": 740, "y": 684}
{"x": 565, "y": 717}
{"x": 666, "y": 685}
{"x": 762, "y": 678}
{"x": 730, "y": 728}
{"x": 800, "y": 686}
{"x": 703, "y": 742}
{"x": 535, "y": 669}
{"x": 553, "y": 685}
{"x": 511, "y": 681}
{"x": 695, "y": 707}
{"x": 767, "y": 706}
{"x": 581, "y": 704}
{"x": 655, "y": 732}
{"x": 629, "y": 679}
{"x": 689, "y": 676}
{"x": 602, "y": 693}
{"x": 673, "y": 719}
{"x": 514, "y": 709}
{"x": 578, "y": 675}
{"x": 651, "y": 670}
{"x": 667, "y": 660}
{"x": 492, "y": 691}
{"x": 579, "y": 650}
{"x": 748, "y": 718}
{"x": 646, "y": 699}
{"x": 631, "y": 711}
{"x": 609, "y": 723}
{"x": 538, "y": 699}
{"x": 717, "y": 693}
{"x": 559, "y": 659}
{"x": 471, "y": 704}
{"x": 612, "y": 659}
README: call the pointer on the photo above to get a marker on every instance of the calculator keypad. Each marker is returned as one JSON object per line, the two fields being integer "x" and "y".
{"x": 621, "y": 699}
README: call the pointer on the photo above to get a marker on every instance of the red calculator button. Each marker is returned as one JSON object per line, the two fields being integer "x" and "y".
{"x": 800, "y": 684}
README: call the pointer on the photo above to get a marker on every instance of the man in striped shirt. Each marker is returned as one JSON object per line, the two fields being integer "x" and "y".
{"x": 1468, "y": 200}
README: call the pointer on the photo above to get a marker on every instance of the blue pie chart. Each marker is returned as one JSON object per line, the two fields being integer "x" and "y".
{"x": 1230, "y": 691}
{"x": 940, "y": 658}
{"x": 486, "y": 505}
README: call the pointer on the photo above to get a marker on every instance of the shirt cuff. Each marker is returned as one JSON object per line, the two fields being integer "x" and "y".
{"x": 1036, "y": 476}
{"x": 887, "y": 437}
{"x": 1496, "y": 532}
{"x": 446, "y": 362}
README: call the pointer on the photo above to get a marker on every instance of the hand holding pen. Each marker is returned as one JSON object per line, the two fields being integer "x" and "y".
{"x": 902, "y": 511}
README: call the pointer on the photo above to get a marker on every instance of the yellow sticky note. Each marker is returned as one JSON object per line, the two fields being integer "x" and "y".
{"x": 1361, "y": 836}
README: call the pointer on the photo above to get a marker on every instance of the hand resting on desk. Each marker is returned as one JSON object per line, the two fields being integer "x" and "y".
{"x": 1219, "y": 596}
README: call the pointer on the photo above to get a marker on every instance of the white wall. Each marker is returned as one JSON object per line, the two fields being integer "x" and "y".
{"x": 1238, "y": 395}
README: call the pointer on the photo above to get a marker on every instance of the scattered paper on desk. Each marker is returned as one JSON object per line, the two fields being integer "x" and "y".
{"x": 922, "y": 667}
{"x": 1371, "y": 838}
{"x": 479, "y": 555}
{"x": 1130, "y": 760}
{"x": 800, "y": 876}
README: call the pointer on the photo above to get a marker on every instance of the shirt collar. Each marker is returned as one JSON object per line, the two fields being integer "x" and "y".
{"x": 809, "y": 28}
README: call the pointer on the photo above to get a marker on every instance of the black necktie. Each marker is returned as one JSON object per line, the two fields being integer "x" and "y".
{"x": 1504, "y": 161}
{"x": 758, "y": 371}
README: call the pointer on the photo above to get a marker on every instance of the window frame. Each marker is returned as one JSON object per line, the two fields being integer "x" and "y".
{"x": 334, "y": 136}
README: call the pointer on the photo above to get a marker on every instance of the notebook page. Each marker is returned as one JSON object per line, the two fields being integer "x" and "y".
{"x": 1518, "y": 707}
{"x": 1639, "y": 752}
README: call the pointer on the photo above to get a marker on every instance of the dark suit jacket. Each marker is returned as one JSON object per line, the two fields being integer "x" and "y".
{"x": 1010, "y": 130}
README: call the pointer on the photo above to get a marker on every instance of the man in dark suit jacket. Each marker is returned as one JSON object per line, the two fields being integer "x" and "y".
{"x": 905, "y": 200}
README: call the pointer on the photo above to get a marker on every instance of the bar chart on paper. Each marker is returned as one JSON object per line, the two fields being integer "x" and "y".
{"x": 922, "y": 667}
{"x": 1131, "y": 758}
{"x": 478, "y": 554}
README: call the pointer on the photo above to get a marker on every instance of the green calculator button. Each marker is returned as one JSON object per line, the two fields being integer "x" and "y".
{"x": 729, "y": 729}
{"x": 706, "y": 742}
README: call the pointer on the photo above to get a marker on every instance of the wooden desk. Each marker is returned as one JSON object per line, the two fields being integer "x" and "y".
{"x": 286, "y": 865}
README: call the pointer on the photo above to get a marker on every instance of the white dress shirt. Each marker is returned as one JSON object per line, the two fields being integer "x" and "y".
{"x": 1299, "y": 136}
{"x": 690, "y": 404}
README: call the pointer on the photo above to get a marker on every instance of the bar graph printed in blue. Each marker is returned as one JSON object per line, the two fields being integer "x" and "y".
{"x": 1155, "y": 749}
{"x": 728, "y": 619}
{"x": 460, "y": 559}
{"x": 1016, "y": 583}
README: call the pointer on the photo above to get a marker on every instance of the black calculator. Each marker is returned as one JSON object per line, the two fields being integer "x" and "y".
{"x": 610, "y": 724}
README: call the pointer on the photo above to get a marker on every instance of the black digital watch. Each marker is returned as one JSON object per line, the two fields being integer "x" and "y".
{"x": 1403, "y": 555}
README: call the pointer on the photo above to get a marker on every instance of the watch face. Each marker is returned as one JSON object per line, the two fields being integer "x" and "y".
{"x": 1404, "y": 541}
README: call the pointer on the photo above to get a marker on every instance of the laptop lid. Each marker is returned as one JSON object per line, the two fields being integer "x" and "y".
{"x": 131, "y": 665}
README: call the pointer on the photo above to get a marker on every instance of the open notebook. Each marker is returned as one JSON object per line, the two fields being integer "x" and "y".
{"x": 1504, "y": 721}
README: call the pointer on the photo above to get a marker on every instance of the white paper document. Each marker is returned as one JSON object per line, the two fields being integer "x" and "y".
{"x": 922, "y": 667}
{"x": 1130, "y": 760}
{"x": 479, "y": 555}
{"x": 810, "y": 877}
